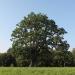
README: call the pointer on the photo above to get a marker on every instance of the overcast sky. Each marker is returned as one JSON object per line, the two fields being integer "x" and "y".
{"x": 13, "y": 11}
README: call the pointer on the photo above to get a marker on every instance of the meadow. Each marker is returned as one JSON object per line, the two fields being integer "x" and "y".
{"x": 37, "y": 71}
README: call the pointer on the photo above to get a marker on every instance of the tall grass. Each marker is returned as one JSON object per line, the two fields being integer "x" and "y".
{"x": 37, "y": 71}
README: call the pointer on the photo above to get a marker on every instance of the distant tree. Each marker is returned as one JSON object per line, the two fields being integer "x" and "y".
{"x": 9, "y": 50}
{"x": 22, "y": 59}
{"x": 35, "y": 37}
{"x": 7, "y": 60}
{"x": 58, "y": 58}
{"x": 73, "y": 53}
{"x": 62, "y": 58}
{"x": 68, "y": 58}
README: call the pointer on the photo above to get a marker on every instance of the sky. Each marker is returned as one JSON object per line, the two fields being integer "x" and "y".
{"x": 13, "y": 11}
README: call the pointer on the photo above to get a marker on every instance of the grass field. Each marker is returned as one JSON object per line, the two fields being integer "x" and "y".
{"x": 37, "y": 71}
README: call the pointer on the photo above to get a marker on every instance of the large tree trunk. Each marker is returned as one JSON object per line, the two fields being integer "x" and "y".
{"x": 33, "y": 57}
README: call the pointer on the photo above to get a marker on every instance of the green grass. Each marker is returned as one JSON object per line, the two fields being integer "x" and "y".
{"x": 37, "y": 71}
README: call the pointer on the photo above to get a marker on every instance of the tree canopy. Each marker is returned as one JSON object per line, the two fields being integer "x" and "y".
{"x": 35, "y": 39}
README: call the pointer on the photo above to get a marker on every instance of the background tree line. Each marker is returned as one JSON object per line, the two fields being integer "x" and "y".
{"x": 38, "y": 41}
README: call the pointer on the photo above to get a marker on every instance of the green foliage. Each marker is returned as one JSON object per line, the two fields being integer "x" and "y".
{"x": 73, "y": 53}
{"x": 63, "y": 59}
{"x": 34, "y": 40}
{"x": 7, "y": 60}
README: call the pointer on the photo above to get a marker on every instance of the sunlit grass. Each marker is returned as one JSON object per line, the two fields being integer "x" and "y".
{"x": 37, "y": 71}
